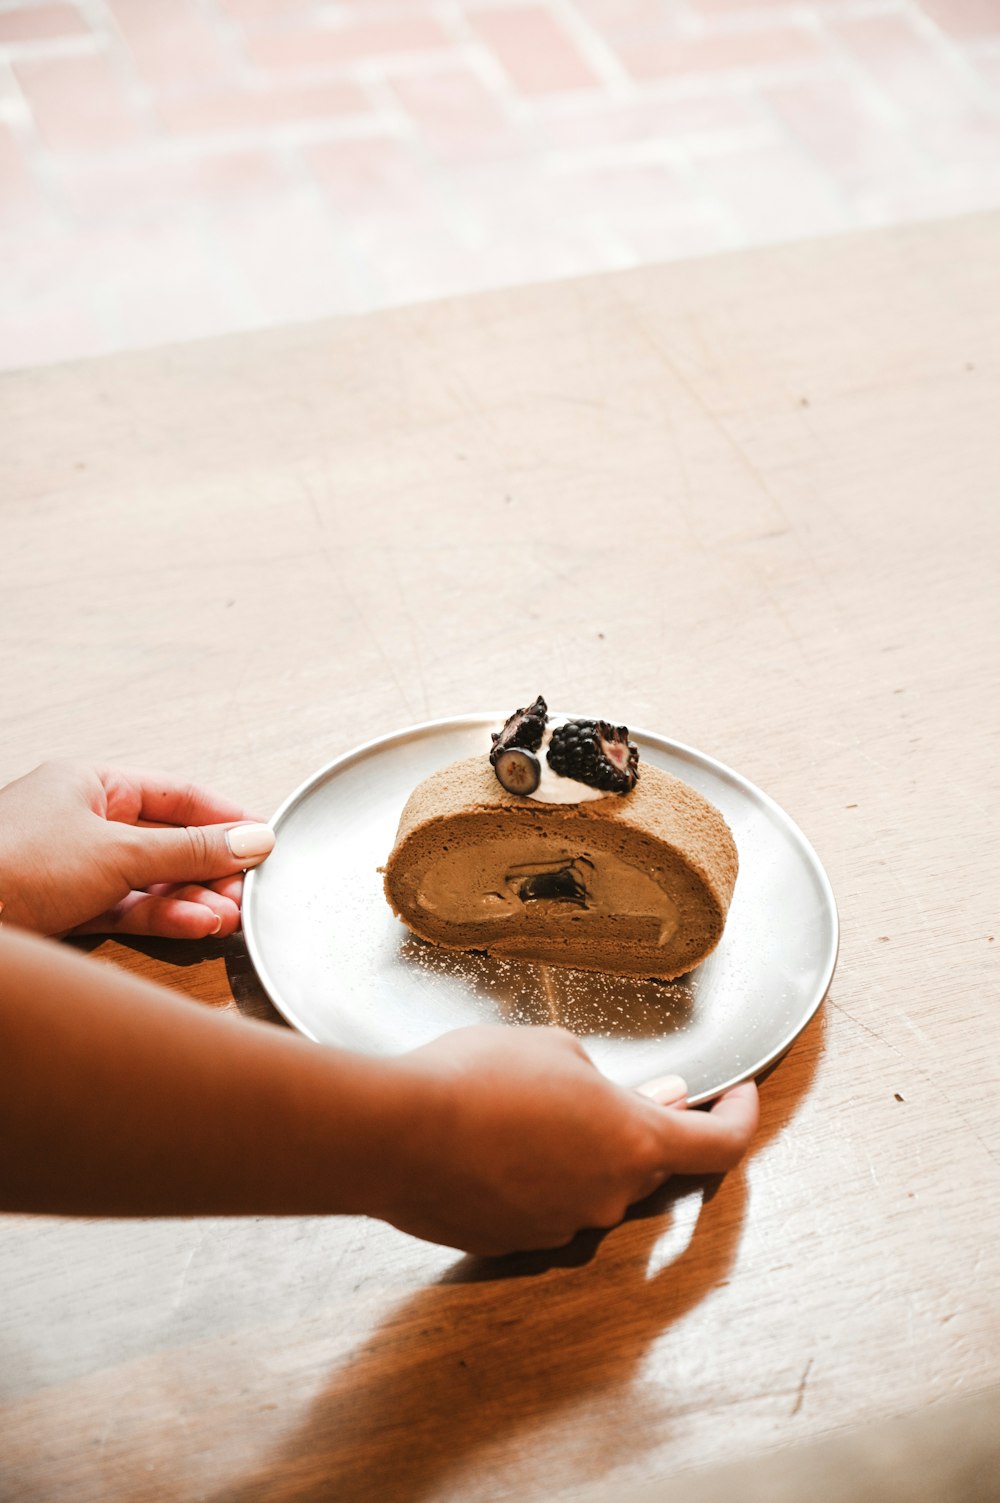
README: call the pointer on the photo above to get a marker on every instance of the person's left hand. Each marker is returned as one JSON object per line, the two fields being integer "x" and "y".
{"x": 97, "y": 850}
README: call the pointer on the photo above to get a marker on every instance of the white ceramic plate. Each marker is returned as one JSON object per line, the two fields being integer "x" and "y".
{"x": 341, "y": 969}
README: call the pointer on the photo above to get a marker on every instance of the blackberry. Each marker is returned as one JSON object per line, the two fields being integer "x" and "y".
{"x": 595, "y": 753}
{"x": 524, "y": 728}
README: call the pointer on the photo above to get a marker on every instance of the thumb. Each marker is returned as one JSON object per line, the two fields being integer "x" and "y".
{"x": 668, "y": 1090}
{"x": 194, "y": 853}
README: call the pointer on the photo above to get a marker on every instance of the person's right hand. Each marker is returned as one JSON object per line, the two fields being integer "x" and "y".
{"x": 518, "y": 1142}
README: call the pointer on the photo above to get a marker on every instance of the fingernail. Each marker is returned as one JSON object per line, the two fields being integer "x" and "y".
{"x": 250, "y": 842}
{"x": 217, "y": 925}
{"x": 666, "y": 1089}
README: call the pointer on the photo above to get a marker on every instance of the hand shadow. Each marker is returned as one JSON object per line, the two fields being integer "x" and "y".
{"x": 501, "y": 1347}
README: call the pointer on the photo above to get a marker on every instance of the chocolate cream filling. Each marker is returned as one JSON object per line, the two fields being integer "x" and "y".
{"x": 497, "y": 882}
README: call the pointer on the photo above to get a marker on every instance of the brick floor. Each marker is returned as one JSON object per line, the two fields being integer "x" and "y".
{"x": 179, "y": 168}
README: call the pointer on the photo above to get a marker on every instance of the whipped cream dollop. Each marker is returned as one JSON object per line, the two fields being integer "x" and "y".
{"x": 563, "y": 759}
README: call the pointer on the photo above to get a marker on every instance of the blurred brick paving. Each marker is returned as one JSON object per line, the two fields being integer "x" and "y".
{"x": 171, "y": 169}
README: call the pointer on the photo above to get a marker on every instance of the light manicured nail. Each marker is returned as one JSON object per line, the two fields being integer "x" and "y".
{"x": 216, "y": 926}
{"x": 666, "y": 1089}
{"x": 250, "y": 842}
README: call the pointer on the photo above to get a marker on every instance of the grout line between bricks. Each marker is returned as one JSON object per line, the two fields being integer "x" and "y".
{"x": 44, "y": 49}
{"x": 229, "y": 34}
{"x": 605, "y": 63}
{"x": 662, "y": 150}
{"x": 749, "y": 22}
{"x": 288, "y": 136}
{"x": 848, "y": 67}
{"x": 486, "y": 67}
{"x": 14, "y": 110}
{"x": 728, "y": 221}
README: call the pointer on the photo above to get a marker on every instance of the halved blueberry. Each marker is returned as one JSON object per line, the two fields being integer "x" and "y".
{"x": 519, "y": 771}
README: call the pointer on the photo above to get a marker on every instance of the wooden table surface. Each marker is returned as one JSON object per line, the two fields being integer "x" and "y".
{"x": 755, "y": 502}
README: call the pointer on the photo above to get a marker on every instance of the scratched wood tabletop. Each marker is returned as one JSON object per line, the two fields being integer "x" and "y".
{"x": 755, "y": 501}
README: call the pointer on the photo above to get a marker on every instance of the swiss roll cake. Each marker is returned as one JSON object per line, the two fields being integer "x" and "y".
{"x": 556, "y": 846}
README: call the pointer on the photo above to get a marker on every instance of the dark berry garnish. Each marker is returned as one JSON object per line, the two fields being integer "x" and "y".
{"x": 595, "y": 753}
{"x": 517, "y": 769}
{"x": 524, "y": 728}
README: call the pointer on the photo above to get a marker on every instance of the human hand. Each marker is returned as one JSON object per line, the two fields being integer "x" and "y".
{"x": 96, "y": 850}
{"x": 516, "y": 1141}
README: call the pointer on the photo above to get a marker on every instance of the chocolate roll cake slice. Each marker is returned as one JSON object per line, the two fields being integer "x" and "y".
{"x": 635, "y": 882}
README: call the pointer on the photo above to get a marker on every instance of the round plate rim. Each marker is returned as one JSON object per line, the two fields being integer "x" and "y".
{"x": 653, "y": 738}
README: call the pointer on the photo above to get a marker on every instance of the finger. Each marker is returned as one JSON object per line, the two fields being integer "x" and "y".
{"x": 193, "y": 892}
{"x": 163, "y": 917}
{"x": 226, "y": 887}
{"x": 666, "y": 1090}
{"x": 195, "y": 853}
{"x": 714, "y": 1141}
{"x": 158, "y": 798}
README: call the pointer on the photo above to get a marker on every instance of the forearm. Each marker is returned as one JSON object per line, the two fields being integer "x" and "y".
{"x": 119, "y": 1098}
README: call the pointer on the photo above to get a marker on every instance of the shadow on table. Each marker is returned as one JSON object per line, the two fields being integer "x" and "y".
{"x": 502, "y": 1346}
